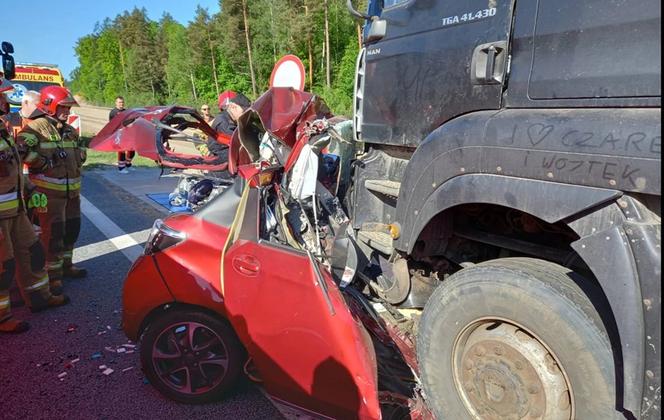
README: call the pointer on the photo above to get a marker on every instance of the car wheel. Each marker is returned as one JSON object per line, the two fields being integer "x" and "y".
{"x": 191, "y": 357}
{"x": 513, "y": 339}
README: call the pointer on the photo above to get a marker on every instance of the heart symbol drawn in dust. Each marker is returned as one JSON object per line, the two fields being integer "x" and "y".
{"x": 539, "y": 132}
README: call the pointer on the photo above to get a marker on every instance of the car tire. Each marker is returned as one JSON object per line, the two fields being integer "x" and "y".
{"x": 516, "y": 338}
{"x": 191, "y": 369}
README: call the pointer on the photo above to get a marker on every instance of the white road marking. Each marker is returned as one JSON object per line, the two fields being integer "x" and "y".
{"x": 117, "y": 238}
{"x": 109, "y": 246}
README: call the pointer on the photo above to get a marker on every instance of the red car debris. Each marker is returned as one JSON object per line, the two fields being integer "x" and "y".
{"x": 262, "y": 279}
{"x": 148, "y": 131}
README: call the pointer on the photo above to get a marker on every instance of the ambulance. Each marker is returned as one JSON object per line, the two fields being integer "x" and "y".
{"x": 34, "y": 76}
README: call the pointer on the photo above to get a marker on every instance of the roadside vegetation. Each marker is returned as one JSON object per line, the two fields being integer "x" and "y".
{"x": 164, "y": 62}
{"x": 101, "y": 160}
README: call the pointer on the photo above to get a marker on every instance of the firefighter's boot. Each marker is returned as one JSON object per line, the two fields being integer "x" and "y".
{"x": 57, "y": 288}
{"x": 73, "y": 272}
{"x": 13, "y": 326}
{"x": 52, "y": 302}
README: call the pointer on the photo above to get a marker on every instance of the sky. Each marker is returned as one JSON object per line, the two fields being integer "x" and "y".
{"x": 46, "y": 31}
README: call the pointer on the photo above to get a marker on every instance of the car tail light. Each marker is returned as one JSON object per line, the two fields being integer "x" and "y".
{"x": 162, "y": 237}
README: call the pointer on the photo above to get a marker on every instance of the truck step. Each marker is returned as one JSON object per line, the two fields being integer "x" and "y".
{"x": 380, "y": 241}
{"x": 389, "y": 188}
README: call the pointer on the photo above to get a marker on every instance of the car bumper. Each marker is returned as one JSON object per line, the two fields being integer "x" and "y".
{"x": 144, "y": 291}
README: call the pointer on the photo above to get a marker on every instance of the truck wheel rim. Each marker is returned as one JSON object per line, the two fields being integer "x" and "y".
{"x": 190, "y": 358}
{"x": 502, "y": 371}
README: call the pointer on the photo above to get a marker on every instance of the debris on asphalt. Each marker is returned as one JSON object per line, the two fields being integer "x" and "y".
{"x": 108, "y": 371}
{"x": 127, "y": 369}
{"x": 102, "y": 332}
{"x": 71, "y": 328}
{"x": 129, "y": 346}
{"x": 74, "y": 361}
{"x": 62, "y": 376}
{"x": 110, "y": 349}
{"x": 121, "y": 350}
{"x": 96, "y": 356}
{"x": 103, "y": 367}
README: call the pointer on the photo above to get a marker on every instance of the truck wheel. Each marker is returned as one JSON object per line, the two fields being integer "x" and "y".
{"x": 515, "y": 339}
{"x": 191, "y": 357}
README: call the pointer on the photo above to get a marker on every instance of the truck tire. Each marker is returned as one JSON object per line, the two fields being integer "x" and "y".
{"x": 516, "y": 339}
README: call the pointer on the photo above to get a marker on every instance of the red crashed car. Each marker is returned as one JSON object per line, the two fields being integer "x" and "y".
{"x": 261, "y": 282}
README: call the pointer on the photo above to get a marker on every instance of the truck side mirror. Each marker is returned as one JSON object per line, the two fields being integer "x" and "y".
{"x": 7, "y": 47}
{"x": 377, "y": 30}
{"x": 8, "y": 65}
{"x": 359, "y": 15}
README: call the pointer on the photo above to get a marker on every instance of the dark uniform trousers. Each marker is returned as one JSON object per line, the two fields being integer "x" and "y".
{"x": 20, "y": 249}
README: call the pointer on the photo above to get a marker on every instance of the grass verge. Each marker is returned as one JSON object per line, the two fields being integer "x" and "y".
{"x": 101, "y": 160}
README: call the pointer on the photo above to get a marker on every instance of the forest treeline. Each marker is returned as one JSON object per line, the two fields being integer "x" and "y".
{"x": 165, "y": 62}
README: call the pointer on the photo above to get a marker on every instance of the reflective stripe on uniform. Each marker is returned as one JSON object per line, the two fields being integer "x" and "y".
{"x": 59, "y": 145}
{"x": 8, "y": 201}
{"x": 4, "y": 303}
{"x": 56, "y": 184}
{"x": 55, "y": 265}
{"x": 9, "y": 205}
{"x": 8, "y": 197}
{"x": 39, "y": 285}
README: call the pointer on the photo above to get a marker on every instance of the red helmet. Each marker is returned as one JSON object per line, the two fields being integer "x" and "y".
{"x": 225, "y": 98}
{"x": 53, "y": 96}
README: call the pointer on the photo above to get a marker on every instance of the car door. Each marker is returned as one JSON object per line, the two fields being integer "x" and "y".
{"x": 437, "y": 60}
{"x": 311, "y": 353}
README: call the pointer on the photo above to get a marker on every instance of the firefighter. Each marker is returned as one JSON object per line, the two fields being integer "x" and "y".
{"x": 54, "y": 157}
{"x": 18, "y": 120}
{"x": 20, "y": 249}
{"x": 231, "y": 105}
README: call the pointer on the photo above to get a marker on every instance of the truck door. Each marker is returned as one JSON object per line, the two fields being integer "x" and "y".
{"x": 437, "y": 60}
{"x": 311, "y": 353}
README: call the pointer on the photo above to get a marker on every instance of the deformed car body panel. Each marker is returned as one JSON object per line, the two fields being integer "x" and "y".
{"x": 284, "y": 113}
{"x": 148, "y": 130}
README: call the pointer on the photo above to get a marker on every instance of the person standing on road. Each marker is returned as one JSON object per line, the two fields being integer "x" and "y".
{"x": 55, "y": 157}
{"x": 125, "y": 157}
{"x": 20, "y": 249}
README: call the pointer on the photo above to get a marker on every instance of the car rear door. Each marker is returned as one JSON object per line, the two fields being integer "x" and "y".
{"x": 311, "y": 353}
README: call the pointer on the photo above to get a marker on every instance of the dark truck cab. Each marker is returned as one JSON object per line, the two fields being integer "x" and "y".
{"x": 516, "y": 142}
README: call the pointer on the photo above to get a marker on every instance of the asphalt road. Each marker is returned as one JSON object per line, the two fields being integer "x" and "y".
{"x": 31, "y": 364}
{"x": 93, "y": 118}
